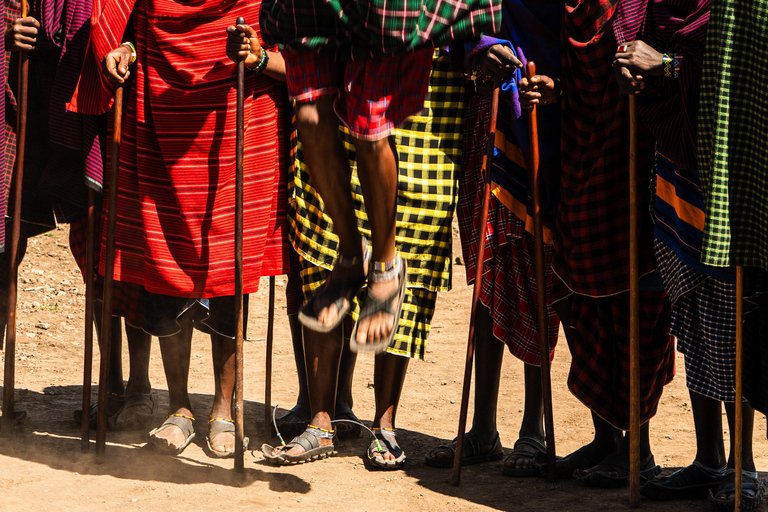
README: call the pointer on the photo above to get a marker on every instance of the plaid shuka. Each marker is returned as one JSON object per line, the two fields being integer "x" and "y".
{"x": 361, "y": 29}
{"x": 592, "y": 242}
{"x": 509, "y": 288}
{"x": 429, "y": 153}
{"x": 733, "y": 129}
{"x": 704, "y": 323}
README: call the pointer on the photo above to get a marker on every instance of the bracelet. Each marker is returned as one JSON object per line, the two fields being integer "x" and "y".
{"x": 262, "y": 63}
{"x": 132, "y": 48}
{"x": 671, "y": 64}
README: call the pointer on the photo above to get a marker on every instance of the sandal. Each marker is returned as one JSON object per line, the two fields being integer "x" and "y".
{"x": 613, "y": 472}
{"x": 565, "y": 466}
{"x": 114, "y": 404}
{"x": 475, "y": 456}
{"x": 136, "y": 413}
{"x": 344, "y": 289}
{"x": 526, "y": 448}
{"x": 373, "y": 305}
{"x": 218, "y": 426}
{"x": 182, "y": 422}
{"x": 385, "y": 441}
{"x": 691, "y": 482}
{"x": 309, "y": 440}
{"x": 752, "y": 491}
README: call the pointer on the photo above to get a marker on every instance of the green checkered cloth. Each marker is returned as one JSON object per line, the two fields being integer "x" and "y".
{"x": 360, "y": 29}
{"x": 429, "y": 158}
{"x": 733, "y": 135}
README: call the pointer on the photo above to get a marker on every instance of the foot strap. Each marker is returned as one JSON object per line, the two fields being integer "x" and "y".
{"x": 320, "y": 433}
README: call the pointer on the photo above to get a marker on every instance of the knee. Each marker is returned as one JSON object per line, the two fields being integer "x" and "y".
{"x": 317, "y": 119}
{"x": 372, "y": 148}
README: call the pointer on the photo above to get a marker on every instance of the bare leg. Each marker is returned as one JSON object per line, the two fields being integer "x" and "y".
{"x": 139, "y": 348}
{"x": 116, "y": 385}
{"x": 328, "y": 164}
{"x": 388, "y": 377}
{"x": 377, "y": 170}
{"x": 176, "y": 350}
{"x": 748, "y": 421}
{"x": 223, "y": 349}
{"x": 322, "y": 354}
{"x": 708, "y": 421}
{"x": 346, "y": 369}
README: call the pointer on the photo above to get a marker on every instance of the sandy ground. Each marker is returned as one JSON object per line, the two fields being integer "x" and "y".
{"x": 42, "y": 468}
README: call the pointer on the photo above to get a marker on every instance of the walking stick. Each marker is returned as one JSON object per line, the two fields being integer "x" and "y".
{"x": 541, "y": 287}
{"x": 85, "y": 419}
{"x": 109, "y": 272}
{"x": 240, "y": 119}
{"x": 9, "y": 375}
{"x": 268, "y": 427}
{"x": 738, "y": 433}
{"x": 456, "y": 474}
{"x": 634, "y": 318}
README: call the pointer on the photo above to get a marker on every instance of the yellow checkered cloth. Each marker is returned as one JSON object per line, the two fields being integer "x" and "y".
{"x": 429, "y": 158}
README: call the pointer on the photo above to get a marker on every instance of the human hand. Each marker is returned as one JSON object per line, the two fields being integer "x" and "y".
{"x": 629, "y": 83}
{"x": 639, "y": 58}
{"x": 243, "y": 43}
{"x": 115, "y": 64}
{"x": 22, "y": 34}
{"x": 499, "y": 61}
{"x": 539, "y": 90}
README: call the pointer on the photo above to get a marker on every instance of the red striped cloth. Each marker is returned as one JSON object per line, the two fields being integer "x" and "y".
{"x": 175, "y": 228}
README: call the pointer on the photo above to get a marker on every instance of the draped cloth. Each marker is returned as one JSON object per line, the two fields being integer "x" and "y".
{"x": 733, "y": 128}
{"x": 592, "y": 237}
{"x": 176, "y": 188}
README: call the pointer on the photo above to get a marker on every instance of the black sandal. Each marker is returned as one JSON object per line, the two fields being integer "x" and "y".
{"x": 309, "y": 440}
{"x": 752, "y": 491}
{"x": 386, "y": 441}
{"x": 475, "y": 457}
{"x": 691, "y": 482}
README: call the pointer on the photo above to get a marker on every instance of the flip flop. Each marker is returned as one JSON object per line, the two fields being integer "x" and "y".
{"x": 372, "y": 305}
{"x": 179, "y": 420}
{"x": 218, "y": 426}
{"x": 525, "y": 448}
{"x": 386, "y": 441}
{"x": 476, "y": 457}
{"x": 752, "y": 491}
{"x": 613, "y": 472}
{"x": 136, "y": 413}
{"x": 344, "y": 289}
{"x": 688, "y": 483}
{"x": 307, "y": 440}
{"x": 344, "y": 429}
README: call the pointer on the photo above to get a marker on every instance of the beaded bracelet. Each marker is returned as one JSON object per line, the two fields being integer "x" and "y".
{"x": 132, "y": 48}
{"x": 671, "y": 63}
{"x": 262, "y": 63}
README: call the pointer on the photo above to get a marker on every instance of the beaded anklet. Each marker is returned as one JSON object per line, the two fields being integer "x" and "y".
{"x": 385, "y": 270}
{"x": 320, "y": 433}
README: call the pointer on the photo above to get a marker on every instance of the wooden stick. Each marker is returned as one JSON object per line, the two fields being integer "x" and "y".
{"x": 240, "y": 119}
{"x": 109, "y": 272}
{"x": 634, "y": 318}
{"x": 541, "y": 287}
{"x": 7, "y": 427}
{"x": 85, "y": 419}
{"x": 738, "y": 433}
{"x": 456, "y": 474}
{"x": 268, "y": 427}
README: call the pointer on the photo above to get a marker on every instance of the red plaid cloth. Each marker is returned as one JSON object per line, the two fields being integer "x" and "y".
{"x": 509, "y": 288}
{"x": 126, "y": 297}
{"x": 599, "y": 375}
{"x": 592, "y": 242}
{"x": 374, "y": 96}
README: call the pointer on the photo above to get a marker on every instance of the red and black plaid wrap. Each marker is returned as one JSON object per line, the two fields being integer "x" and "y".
{"x": 592, "y": 241}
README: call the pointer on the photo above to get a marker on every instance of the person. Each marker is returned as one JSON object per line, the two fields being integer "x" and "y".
{"x": 592, "y": 249}
{"x": 176, "y": 189}
{"x": 63, "y": 158}
{"x": 507, "y": 311}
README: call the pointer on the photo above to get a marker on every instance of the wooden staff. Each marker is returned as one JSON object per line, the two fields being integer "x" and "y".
{"x": 634, "y": 316}
{"x": 541, "y": 286}
{"x": 268, "y": 427}
{"x": 240, "y": 119}
{"x": 9, "y": 375}
{"x": 85, "y": 419}
{"x": 738, "y": 433}
{"x": 109, "y": 272}
{"x": 456, "y": 474}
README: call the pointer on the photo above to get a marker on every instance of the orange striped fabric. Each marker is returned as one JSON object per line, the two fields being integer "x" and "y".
{"x": 175, "y": 233}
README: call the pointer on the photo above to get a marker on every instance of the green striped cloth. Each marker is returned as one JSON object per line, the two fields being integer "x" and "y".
{"x": 733, "y": 135}
{"x": 429, "y": 158}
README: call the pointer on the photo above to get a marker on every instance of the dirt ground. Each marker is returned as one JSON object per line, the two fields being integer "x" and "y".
{"x": 42, "y": 468}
